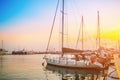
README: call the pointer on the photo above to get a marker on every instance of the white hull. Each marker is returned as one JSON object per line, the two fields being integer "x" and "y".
{"x": 83, "y": 64}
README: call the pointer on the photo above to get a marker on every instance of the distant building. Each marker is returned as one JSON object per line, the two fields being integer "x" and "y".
{"x": 22, "y": 52}
{"x": 19, "y": 52}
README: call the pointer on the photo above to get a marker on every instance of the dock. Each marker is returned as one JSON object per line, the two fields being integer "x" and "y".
{"x": 114, "y": 68}
{"x": 117, "y": 64}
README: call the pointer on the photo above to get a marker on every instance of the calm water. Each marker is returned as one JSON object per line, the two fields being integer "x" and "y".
{"x": 29, "y": 67}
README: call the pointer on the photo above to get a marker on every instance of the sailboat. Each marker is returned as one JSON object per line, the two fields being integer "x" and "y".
{"x": 2, "y": 50}
{"x": 83, "y": 59}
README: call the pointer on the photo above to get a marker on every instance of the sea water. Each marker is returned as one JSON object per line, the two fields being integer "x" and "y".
{"x": 30, "y": 67}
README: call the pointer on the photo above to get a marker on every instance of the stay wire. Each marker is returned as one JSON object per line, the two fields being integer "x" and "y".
{"x": 52, "y": 25}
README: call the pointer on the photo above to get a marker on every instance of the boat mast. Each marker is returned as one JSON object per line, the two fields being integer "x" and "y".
{"x": 118, "y": 44}
{"x": 62, "y": 26}
{"x": 82, "y": 35}
{"x": 2, "y": 44}
{"x": 98, "y": 31}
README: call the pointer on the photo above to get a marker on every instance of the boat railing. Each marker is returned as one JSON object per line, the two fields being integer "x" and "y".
{"x": 61, "y": 61}
{"x": 69, "y": 61}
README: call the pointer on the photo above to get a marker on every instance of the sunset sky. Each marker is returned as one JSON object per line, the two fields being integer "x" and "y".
{"x": 27, "y": 23}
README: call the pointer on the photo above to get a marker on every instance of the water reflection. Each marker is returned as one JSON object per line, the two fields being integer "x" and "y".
{"x": 77, "y": 74}
{"x": 29, "y": 67}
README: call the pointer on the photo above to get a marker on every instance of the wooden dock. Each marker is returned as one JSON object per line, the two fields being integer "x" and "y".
{"x": 117, "y": 64}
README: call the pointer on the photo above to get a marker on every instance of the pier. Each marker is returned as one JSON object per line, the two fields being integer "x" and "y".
{"x": 117, "y": 64}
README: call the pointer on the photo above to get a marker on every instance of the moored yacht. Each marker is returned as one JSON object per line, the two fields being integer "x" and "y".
{"x": 81, "y": 59}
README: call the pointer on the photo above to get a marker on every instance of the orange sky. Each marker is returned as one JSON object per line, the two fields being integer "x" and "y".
{"x": 30, "y": 29}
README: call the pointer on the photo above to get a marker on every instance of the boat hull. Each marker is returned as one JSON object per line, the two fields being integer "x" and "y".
{"x": 74, "y": 64}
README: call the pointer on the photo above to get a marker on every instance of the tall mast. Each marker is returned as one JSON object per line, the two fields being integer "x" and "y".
{"x": 98, "y": 31}
{"x": 2, "y": 44}
{"x": 62, "y": 26}
{"x": 82, "y": 35}
{"x": 118, "y": 44}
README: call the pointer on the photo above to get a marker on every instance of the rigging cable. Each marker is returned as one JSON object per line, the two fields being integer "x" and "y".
{"x": 75, "y": 17}
{"x": 52, "y": 25}
{"x": 78, "y": 36}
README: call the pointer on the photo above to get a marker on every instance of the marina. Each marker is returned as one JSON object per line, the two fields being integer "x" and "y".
{"x": 59, "y": 40}
{"x": 30, "y": 67}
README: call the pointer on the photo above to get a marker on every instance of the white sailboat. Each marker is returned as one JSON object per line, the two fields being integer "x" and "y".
{"x": 83, "y": 59}
{"x": 2, "y": 50}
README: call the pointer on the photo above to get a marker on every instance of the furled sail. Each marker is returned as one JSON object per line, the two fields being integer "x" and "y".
{"x": 69, "y": 50}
